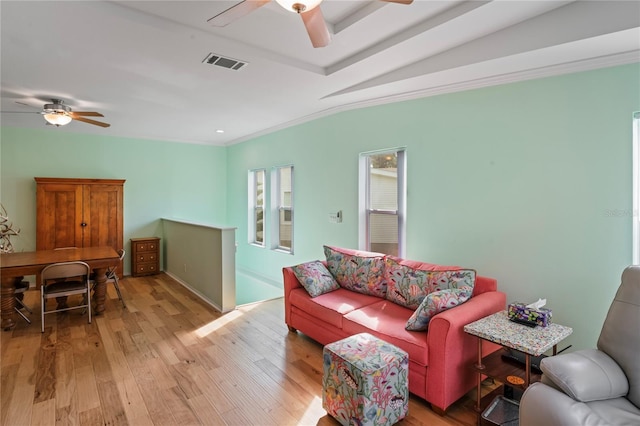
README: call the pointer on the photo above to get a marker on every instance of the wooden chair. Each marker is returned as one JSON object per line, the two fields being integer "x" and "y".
{"x": 60, "y": 280}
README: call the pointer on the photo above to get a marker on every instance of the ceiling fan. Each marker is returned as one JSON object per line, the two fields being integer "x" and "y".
{"x": 307, "y": 9}
{"x": 58, "y": 114}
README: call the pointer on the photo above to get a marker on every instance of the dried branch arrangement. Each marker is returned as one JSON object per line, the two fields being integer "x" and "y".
{"x": 6, "y": 232}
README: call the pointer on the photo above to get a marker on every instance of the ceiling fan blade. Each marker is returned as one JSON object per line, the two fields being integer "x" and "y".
{"x": 86, "y": 113}
{"x": 22, "y": 104}
{"x": 236, "y": 12}
{"x": 89, "y": 121}
{"x": 20, "y": 112}
{"x": 316, "y": 27}
{"x": 399, "y": 1}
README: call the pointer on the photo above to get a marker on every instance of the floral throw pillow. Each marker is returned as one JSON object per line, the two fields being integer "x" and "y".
{"x": 442, "y": 280}
{"x": 436, "y": 302}
{"x": 358, "y": 271}
{"x": 315, "y": 278}
{"x": 408, "y": 286}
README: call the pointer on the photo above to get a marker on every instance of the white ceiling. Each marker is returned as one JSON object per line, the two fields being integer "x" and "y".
{"x": 140, "y": 62}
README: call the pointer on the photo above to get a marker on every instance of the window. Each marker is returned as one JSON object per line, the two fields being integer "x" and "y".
{"x": 382, "y": 202}
{"x": 636, "y": 189}
{"x": 256, "y": 207}
{"x": 282, "y": 202}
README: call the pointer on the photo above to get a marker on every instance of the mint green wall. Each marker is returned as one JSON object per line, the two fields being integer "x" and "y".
{"x": 513, "y": 180}
{"x": 163, "y": 179}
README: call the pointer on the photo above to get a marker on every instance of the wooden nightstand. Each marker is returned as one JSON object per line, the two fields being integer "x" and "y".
{"x": 145, "y": 256}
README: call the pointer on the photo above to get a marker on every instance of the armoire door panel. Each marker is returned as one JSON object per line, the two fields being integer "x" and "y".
{"x": 103, "y": 216}
{"x": 59, "y": 217}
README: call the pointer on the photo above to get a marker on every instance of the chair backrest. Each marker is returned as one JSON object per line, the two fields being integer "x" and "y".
{"x": 620, "y": 335}
{"x": 111, "y": 270}
{"x": 65, "y": 270}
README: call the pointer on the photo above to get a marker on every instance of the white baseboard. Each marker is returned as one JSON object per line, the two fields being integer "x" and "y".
{"x": 197, "y": 293}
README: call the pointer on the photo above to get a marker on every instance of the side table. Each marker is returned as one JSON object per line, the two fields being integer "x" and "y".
{"x": 498, "y": 329}
{"x": 145, "y": 256}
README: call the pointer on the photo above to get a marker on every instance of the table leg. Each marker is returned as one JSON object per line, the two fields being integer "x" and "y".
{"x": 527, "y": 372}
{"x": 479, "y": 366}
{"x": 100, "y": 291}
{"x": 7, "y": 302}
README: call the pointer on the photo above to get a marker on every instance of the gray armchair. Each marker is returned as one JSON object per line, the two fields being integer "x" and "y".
{"x": 594, "y": 386}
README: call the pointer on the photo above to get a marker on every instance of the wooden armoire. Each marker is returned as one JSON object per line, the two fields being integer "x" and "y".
{"x": 79, "y": 213}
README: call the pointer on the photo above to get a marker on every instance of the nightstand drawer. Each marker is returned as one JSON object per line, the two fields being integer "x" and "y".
{"x": 146, "y": 246}
{"x": 146, "y": 269}
{"x": 146, "y": 257}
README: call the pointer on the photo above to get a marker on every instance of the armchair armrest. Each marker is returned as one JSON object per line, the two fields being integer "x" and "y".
{"x": 586, "y": 375}
{"x": 544, "y": 405}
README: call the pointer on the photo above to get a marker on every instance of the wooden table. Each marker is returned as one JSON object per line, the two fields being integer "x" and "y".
{"x": 14, "y": 266}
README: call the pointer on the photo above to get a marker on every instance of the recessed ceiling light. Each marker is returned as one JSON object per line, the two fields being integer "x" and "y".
{"x": 219, "y": 131}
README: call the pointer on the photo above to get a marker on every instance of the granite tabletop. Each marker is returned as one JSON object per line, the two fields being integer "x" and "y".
{"x": 532, "y": 340}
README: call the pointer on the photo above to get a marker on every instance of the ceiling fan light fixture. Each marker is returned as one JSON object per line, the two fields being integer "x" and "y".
{"x": 299, "y": 6}
{"x": 57, "y": 118}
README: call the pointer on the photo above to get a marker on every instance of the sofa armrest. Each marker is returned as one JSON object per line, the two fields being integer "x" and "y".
{"x": 290, "y": 283}
{"x": 586, "y": 375}
{"x": 290, "y": 279}
{"x": 452, "y": 352}
{"x": 544, "y": 405}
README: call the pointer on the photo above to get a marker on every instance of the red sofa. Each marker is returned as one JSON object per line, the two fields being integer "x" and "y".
{"x": 440, "y": 359}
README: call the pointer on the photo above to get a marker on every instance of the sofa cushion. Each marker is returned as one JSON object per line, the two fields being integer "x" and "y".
{"x": 330, "y": 307}
{"x": 436, "y": 302}
{"x": 386, "y": 320}
{"x": 359, "y": 271}
{"x": 315, "y": 278}
{"x": 408, "y": 283}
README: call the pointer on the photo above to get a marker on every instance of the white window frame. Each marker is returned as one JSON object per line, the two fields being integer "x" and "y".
{"x": 254, "y": 207}
{"x": 364, "y": 210}
{"x": 636, "y": 190}
{"x": 278, "y": 207}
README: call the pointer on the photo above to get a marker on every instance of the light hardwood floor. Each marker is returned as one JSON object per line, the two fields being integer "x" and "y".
{"x": 170, "y": 359}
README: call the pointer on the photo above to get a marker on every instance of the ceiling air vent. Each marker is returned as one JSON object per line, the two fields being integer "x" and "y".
{"x": 221, "y": 61}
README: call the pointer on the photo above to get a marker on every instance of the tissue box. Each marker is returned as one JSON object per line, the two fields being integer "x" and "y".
{"x": 520, "y": 312}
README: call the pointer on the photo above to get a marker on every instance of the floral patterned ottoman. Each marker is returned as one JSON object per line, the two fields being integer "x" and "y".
{"x": 365, "y": 381}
